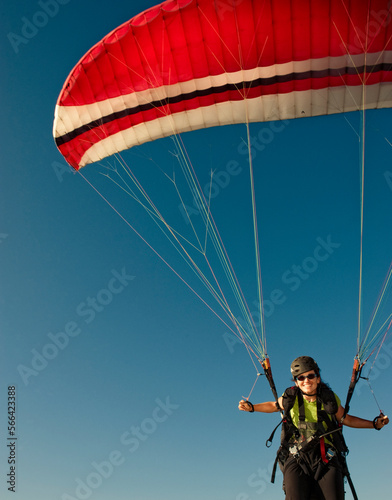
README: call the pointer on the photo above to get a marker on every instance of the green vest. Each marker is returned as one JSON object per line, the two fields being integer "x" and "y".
{"x": 310, "y": 418}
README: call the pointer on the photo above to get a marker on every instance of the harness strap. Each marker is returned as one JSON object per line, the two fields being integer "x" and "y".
{"x": 268, "y": 443}
{"x": 355, "y": 376}
{"x": 268, "y": 373}
{"x": 350, "y": 482}
{"x": 301, "y": 411}
{"x": 273, "y": 474}
{"x": 322, "y": 450}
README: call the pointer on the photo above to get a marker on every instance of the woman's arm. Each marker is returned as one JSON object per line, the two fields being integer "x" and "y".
{"x": 361, "y": 423}
{"x": 267, "y": 407}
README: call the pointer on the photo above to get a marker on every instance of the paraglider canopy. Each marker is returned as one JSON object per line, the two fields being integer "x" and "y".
{"x": 188, "y": 64}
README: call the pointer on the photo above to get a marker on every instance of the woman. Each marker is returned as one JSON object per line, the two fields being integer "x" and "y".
{"x": 312, "y": 452}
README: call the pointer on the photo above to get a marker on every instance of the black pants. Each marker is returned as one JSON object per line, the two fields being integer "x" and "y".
{"x": 301, "y": 485}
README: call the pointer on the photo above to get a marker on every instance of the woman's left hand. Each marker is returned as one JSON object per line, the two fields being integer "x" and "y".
{"x": 381, "y": 421}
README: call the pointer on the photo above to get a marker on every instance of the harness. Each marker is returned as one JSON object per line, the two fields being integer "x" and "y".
{"x": 324, "y": 436}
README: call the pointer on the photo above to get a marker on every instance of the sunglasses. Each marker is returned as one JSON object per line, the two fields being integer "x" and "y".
{"x": 311, "y": 376}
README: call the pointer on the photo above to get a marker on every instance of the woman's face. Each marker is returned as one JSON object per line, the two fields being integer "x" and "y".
{"x": 308, "y": 382}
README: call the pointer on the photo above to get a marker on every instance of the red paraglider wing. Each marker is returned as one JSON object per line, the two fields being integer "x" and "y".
{"x": 188, "y": 64}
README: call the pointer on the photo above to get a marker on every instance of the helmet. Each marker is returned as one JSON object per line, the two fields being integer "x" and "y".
{"x": 303, "y": 364}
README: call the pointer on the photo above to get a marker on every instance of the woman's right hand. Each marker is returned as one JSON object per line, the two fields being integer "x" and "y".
{"x": 245, "y": 405}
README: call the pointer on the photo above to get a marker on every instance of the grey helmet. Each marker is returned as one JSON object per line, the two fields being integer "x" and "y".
{"x": 304, "y": 364}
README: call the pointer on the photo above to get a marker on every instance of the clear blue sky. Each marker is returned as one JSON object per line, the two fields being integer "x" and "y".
{"x": 139, "y": 399}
